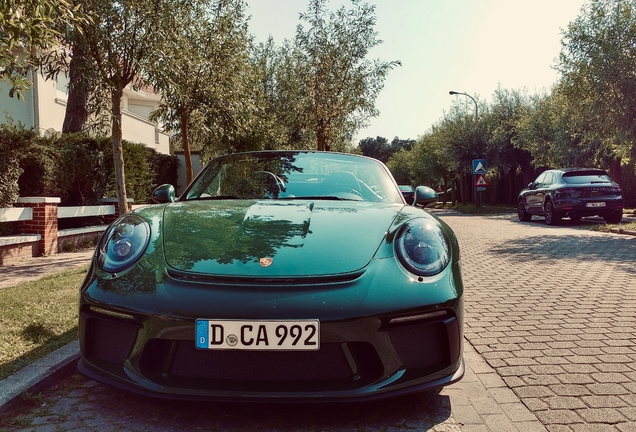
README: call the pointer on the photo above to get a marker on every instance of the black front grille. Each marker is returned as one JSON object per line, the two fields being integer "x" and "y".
{"x": 335, "y": 366}
{"x": 327, "y": 363}
{"x": 422, "y": 345}
{"x": 109, "y": 340}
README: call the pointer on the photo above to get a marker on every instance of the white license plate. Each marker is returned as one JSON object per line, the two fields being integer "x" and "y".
{"x": 301, "y": 335}
{"x": 595, "y": 204}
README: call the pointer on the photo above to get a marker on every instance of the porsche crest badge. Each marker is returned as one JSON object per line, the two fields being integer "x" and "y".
{"x": 265, "y": 262}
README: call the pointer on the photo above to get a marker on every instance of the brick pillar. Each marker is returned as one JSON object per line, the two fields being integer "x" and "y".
{"x": 44, "y": 222}
{"x": 108, "y": 219}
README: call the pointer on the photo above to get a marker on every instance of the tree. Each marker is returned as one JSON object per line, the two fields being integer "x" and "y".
{"x": 202, "y": 67}
{"x": 377, "y": 148}
{"x": 502, "y": 119}
{"x": 340, "y": 83}
{"x": 599, "y": 75}
{"x": 465, "y": 139}
{"x": 29, "y": 30}
{"x": 400, "y": 166}
{"x": 431, "y": 163}
{"x": 283, "y": 120}
{"x": 119, "y": 41}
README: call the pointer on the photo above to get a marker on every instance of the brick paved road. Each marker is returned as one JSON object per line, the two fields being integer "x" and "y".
{"x": 553, "y": 311}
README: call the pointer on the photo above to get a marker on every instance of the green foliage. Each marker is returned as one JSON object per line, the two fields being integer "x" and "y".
{"x": 400, "y": 165}
{"x": 13, "y": 140}
{"x": 30, "y": 26}
{"x": 163, "y": 167}
{"x": 597, "y": 63}
{"x": 209, "y": 103}
{"x": 77, "y": 168}
{"x": 340, "y": 84}
{"x": 380, "y": 149}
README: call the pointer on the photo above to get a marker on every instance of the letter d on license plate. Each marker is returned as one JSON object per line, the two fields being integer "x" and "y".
{"x": 303, "y": 335}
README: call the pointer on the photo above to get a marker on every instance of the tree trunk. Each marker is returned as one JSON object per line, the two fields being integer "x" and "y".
{"x": 512, "y": 190}
{"x": 78, "y": 89}
{"x": 454, "y": 191}
{"x": 322, "y": 139}
{"x": 497, "y": 188}
{"x": 118, "y": 153}
{"x": 615, "y": 170}
{"x": 527, "y": 173}
{"x": 186, "y": 146}
{"x": 445, "y": 194}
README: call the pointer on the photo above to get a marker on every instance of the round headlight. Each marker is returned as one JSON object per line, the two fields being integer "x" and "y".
{"x": 422, "y": 247}
{"x": 123, "y": 243}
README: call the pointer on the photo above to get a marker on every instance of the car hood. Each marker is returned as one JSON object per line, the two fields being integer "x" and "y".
{"x": 274, "y": 238}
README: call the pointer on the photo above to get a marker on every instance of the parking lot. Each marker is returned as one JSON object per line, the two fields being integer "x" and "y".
{"x": 550, "y": 343}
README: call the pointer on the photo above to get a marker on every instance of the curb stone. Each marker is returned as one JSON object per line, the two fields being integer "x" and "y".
{"x": 38, "y": 375}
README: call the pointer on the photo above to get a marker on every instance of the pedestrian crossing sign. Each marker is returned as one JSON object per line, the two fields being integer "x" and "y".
{"x": 480, "y": 166}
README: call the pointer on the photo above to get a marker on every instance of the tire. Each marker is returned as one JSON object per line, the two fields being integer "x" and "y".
{"x": 614, "y": 218}
{"x": 522, "y": 213}
{"x": 551, "y": 217}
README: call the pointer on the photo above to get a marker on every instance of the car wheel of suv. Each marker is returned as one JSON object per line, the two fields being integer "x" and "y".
{"x": 551, "y": 218}
{"x": 614, "y": 218}
{"x": 522, "y": 213}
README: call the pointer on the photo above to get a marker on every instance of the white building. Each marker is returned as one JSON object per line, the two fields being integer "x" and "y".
{"x": 44, "y": 107}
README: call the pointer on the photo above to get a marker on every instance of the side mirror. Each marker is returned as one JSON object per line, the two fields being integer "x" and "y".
{"x": 531, "y": 185}
{"x": 424, "y": 196}
{"x": 163, "y": 194}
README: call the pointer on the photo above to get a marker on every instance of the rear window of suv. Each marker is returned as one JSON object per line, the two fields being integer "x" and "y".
{"x": 585, "y": 178}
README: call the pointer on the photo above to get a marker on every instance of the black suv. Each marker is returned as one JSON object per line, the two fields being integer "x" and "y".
{"x": 573, "y": 193}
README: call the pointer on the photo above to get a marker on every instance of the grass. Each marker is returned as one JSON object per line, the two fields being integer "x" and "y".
{"x": 38, "y": 317}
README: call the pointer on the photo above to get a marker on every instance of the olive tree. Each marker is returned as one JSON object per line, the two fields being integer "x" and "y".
{"x": 340, "y": 83}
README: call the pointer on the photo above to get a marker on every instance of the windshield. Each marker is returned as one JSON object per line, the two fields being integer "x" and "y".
{"x": 294, "y": 175}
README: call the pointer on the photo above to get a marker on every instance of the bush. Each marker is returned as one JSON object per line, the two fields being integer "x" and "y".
{"x": 13, "y": 140}
{"x": 77, "y": 168}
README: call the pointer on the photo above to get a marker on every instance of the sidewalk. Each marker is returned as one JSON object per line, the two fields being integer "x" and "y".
{"x": 35, "y": 268}
{"x": 480, "y": 402}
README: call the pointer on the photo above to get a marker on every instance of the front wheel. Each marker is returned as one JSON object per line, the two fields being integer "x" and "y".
{"x": 614, "y": 218}
{"x": 551, "y": 217}
{"x": 522, "y": 213}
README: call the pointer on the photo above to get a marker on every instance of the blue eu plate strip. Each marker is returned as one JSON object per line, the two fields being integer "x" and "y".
{"x": 202, "y": 334}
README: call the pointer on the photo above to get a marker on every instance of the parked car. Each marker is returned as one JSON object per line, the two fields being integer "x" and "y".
{"x": 284, "y": 276}
{"x": 408, "y": 193}
{"x": 573, "y": 193}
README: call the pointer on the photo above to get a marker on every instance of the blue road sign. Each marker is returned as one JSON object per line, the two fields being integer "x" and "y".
{"x": 480, "y": 166}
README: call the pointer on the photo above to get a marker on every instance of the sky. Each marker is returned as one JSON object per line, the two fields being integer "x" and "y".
{"x": 468, "y": 46}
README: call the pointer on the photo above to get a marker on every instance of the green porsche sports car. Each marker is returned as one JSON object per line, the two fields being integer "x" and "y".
{"x": 280, "y": 276}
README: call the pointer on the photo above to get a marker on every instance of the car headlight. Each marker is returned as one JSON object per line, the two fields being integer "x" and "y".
{"x": 422, "y": 247}
{"x": 123, "y": 243}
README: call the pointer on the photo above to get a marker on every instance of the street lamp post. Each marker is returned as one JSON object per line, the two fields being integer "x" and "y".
{"x": 476, "y": 194}
{"x": 452, "y": 93}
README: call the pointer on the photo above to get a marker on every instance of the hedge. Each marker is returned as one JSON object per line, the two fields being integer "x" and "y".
{"x": 78, "y": 168}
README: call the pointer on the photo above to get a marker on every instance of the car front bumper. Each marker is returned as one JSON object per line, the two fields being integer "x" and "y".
{"x": 377, "y": 338}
